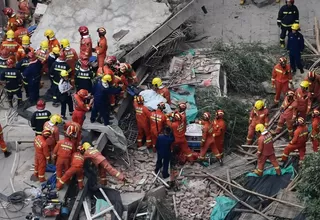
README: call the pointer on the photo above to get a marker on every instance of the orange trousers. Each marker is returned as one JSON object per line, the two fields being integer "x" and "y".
{"x": 262, "y": 160}
{"x": 291, "y": 147}
{"x": 289, "y": 123}
{"x": 302, "y": 112}
{"x": 78, "y": 116}
{"x": 101, "y": 59}
{"x": 281, "y": 88}
{"x": 214, "y": 149}
{"x": 40, "y": 166}
{"x": 219, "y": 142}
{"x": 185, "y": 149}
{"x": 315, "y": 145}
{"x": 69, "y": 174}
{"x": 3, "y": 145}
{"x": 250, "y": 133}
{"x": 144, "y": 130}
{"x": 154, "y": 137}
{"x": 62, "y": 165}
{"x": 104, "y": 168}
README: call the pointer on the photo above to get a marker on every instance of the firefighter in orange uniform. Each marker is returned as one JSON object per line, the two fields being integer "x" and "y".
{"x": 42, "y": 155}
{"x": 24, "y": 11}
{"x": 52, "y": 126}
{"x": 76, "y": 127}
{"x": 281, "y": 77}
{"x": 298, "y": 142}
{"x": 63, "y": 151}
{"x": 288, "y": 115}
{"x": 80, "y": 107}
{"x": 85, "y": 42}
{"x": 71, "y": 56}
{"x": 12, "y": 17}
{"x": 113, "y": 64}
{"x": 161, "y": 89}
{"x": 219, "y": 130}
{"x": 77, "y": 163}
{"x": 265, "y": 150}
{"x": 20, "y": 32}
{"x": 102, "y": 47}
{"x": 314, "y": 86}
{"x": 21, "y": 53}
{"x": 42, "y": 54}
{"x": 142, "y": 117}
{"x": 52, "y": 40}
{"x": 102, "y": 163}
{"x": 315, "y": 133}
{"x": 11, "y": 45}
{"x": 157, "y": 122}
{"x": 3, "y": 145}
{"x": 127, "y": 70}
{"x": 206, "y": 125}
{"x": 303, "y": 99}
{"x": 258, "y": 115}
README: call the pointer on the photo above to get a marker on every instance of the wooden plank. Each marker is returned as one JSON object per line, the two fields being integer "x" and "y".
{"x": 316, "y": 31}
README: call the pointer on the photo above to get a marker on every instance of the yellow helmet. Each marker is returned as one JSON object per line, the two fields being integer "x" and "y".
{"x": 44, "y": 45}
{"x": 65, "y": 43}
{"x": 107, "y": 78}
{"x": 49, "y": 33}
{"x": 304, "y": 84}
{"x": 260, "y": 128}
{"x": 25, "y": 40}
{"x": 157, "y": 82}
{"x": 64, "y": 73}
{"x": 86, "y": 145}
{"x": 56, "y": 50}
{"x": 56, "y": 119}
{"x": 259, "y": 104}
{"x": 10, "y": 34}
{"x": 295, "y": 27}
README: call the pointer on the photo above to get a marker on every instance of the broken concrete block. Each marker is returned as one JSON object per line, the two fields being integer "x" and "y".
{"x": 262, "y": 3}
{"x": 131, "y": 200}
{"x": 159, "y": 192}
{"x": 176, "y": 65}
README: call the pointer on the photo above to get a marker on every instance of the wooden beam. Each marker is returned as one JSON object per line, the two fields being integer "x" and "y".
{"x": 316, "y": 31}
{"x": 309, "y": 45}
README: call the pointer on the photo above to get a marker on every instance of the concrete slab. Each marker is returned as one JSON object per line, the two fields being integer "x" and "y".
{"x": 131, "y": 200}
{"x": 139, "y": 17}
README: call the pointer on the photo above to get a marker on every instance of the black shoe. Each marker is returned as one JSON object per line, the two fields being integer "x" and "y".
{"x": 294, "y": 71}
{"x": 70, "y": 113}
{"x": 220, "y": 162}
{"x": 7, "y": 154}
{"x": 99, "y": 120}
{"x": 64, "y": 117}
{"x": 92, "y": 121}
{"x": 301, "y": 71}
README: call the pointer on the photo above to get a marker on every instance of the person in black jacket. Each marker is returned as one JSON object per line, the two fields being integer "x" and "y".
{"x": 295, "y": 47}
{"x": 84, "y": 76}
{"x": 288, "y": 15}
{"x": 22, "y": 65}
{"x": 39, "y": 117}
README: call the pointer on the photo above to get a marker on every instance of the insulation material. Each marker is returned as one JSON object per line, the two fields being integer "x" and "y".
{"x": 152, "y": 99}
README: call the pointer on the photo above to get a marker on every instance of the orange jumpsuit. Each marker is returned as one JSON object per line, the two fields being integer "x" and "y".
{"x": 43, "y": 57}
{"x": 206, "y": 125}
{"x": 257, "y": 117}
{"x": 280, "y": 79}
{"x": 314, "y": 88}
{"x": 157, "y": 122}
{"x": 116, "y": 82}
{"x": 104, "y": 166}
{"x": 303, "y": 102}
{"x": 131, "y": 77}
{"x": 54, "y": 137}
{"x": 19, "y": 33}
{"x": 164, "y": 91}
{"x": 101, "y": 50}
{"x": 71, "y": 58}
{"x": 79, "y": 113}
{"x": 219, "y": 130}
{"x": 24, "y": 11}
{"x": 21, "y": 53}
{"x": 76, "y": 141}
{"x": 288, "y": 114}
{"x": 315, "y": 134}
{"x": 142, "y": 117}
{"x": 298, "y": 142}
{"x": 53, "y": 42}
{"x": 12, "y": 47}
{"x": 42, "y": 155}
{"x": 11, "y": 25}
{"x": 266, "y": 151}
{"x": 3, "y": 145}
{"x": 86, "y": 46}
{"x": 63, "y": 151}
{"x": 77, "y": 162}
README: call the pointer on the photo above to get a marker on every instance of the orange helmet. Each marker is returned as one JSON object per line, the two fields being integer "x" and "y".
{"x": 101, "y": 30}
{"x": 220, "y": 113}
{"x": 177, "y": 116}
{"x": 283, "y": 60}
{"x": 19, "y": 22}
{"x": 311, "y": 75}
{"x": 111, "y": 60}
{"x": 8, "y": 11}
{"x": 300, "y": 121}
{"x": 83, "y": 93}
{"x": 41, "y": 104}
{"x": 315, "y": 112}
{"x": 182, "y": 106}
{"x": 10, "y": 63}
{"x": 46, "y": 133}
{"x": 4, "y": 53}
{"x": 140, "y": 99}
{"x": 125, "y": 67}
{"x": 83, "y": 30}
{"x": 161, "y": 106}
{"x": 71, "y": 131}
{"x": 206, "y": 116}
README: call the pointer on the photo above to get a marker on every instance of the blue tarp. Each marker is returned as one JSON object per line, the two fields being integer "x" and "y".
{"x": 272, "y": 171}
{"x": 222, "y": 208}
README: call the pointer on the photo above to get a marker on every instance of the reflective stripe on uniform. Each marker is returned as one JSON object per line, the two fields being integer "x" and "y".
{"x": 83, "y": 77}
{"x": 42, "y": 117}
{"x": 117, "y": 174}
{"x": 66, "y": 146}
{"x": 61, "y": 181}
{"x": 280, "y": 71}
{"x": 286, "y": 25}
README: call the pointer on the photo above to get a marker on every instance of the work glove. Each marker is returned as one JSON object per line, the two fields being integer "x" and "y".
{"x": 279, "y": 23}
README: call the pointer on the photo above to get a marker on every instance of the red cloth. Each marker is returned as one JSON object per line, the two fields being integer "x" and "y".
{"x": 105, "y": 167}
{"x": 42, "y": 154}
{"x": 24, "y": 11}
{"x": 71, "y": 58}
{"x": 314, "y": 87}
{"x": 21, "y": 53}
{"x": 101, "y": 51}
{"x": 80, "y": 109}
{"x": 43, "y": 57}
{"x": 257, "y": 117}
{"x": 157, "y": 122}
{"x": 262, "y": 160}
{"x": 315, "y": 133}
{"x": 12, "y": 47}
{"x": 11, "y": 25}
{"x": 142, "y": 117}
{"x": 77, "y": 126}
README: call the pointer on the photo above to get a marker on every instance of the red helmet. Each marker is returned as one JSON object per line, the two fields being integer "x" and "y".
{"x": 10, "y": 63}
{"x": 8, "y": 11}
{"x": 32, "y": 56}
{"x": 62, "y": 56}
{"x": 290, "y": 93}
{"x": 125, "y": 67}
{"x": 46, "y": 133}
{"x": 4, "y": 53}
{"x": 161, "y": 106}
{"x": 83, "y": 93}
{"x": 71, "y": 131}
{"x": 41, "y": 104}
{"x": 283, "y": 60}
{"x": 19, "y": 22}
{"x": 140, "y": 99}
{"x": 177, "y": 116}
{"x": 84, "y": 64}
{"x": 81, "y": 149}
{"x": 315, "y": 113}
{"x": 182, "y": 106}
{"x": 206, "y": 116}
{"x": 300, "y": 121}
{"x": 101, "y": 30}
{"x": 220, "y": 113}
{"x": 83, "y": 30}
{"x": 311, "y": 75}
{"x": 111, "y": 60}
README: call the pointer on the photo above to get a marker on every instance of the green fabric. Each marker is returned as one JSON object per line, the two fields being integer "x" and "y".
{"x": 185, "y": 53}
{"x": 192, "y": 110}
{"x": 272, "y": 171}
{"x": 222, "y": 208}
{"x": 101, "y": 205}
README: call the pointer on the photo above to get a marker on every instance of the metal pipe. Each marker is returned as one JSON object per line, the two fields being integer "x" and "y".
{"x": 86, "y": 210}
{"x": 164, "y": 182}
{"x": 107, "y": 199}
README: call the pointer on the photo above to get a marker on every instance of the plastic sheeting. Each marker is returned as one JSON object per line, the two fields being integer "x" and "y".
{"x": 152, "y": 99}
{"x": 272, "y": 171}
{"x": 222, "y": 208}
{"x": 301, "y": 216}
{"x": 194, "y": 130}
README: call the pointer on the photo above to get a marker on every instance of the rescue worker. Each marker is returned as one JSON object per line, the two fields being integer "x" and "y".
{"x": 13, "y": 82}
{"x": 129, "y": 73}
{"x": 303, "y": 99}
{"x": 33, "y": 76}
{"x": 65, "y": 98}
{"x": 11, "y": 45}
{"x": 84, "y": 76}
{"x": 206, "y": 125}
{"x": 42, "y": 54}
{"x": 52, "y": 126}
{"x": 113, "y": 64}
{"x": 21, "y": 53}
{"x": 142, "y": 118}
{"x": 116, "y": 81}
{"x": 315, "y": 133}
{"x": 102, "y": 47}
{"x": 39, "y": 117}
{"x": 287, "y": 16}
{"x": 24, "y": 11}
{"x": 20, "y": 32}
{"x": 77, "y": 128}
{"x": 63, "y": 151}
{"x": 76, "y": 167}
{"x": 101, "y": 92}
{"x": 182, "y": 107}
{"x": 55, "y": 72}
{"x": 258, "y": 115}
{"x": 288, "y": 114}
{"x": 102, "y": 163}
{"x": 12, "y": 17}
{"x": 80, "y": 108}
{"x": 3, "y": 145}
{"x": 298, "y": 142}
{"x": 53, "y": 56}
{"x": 85, "y": 42}
{"x": 71, "y": 56}
{"x": 265, "y": 150}
{"x": 314, "y": 86}
{"x": 21, "y": 66}
{"x": 4, "y": 55}
{"x": 219, "y": 130}
{"x": 158, "y": 120}
{"x": 295, "y": 47}
{"x": 281, "y": 77}
{"x": 42, "y": 155}
{"x": 161, "y": 89}
{"x": 52, "y": 40}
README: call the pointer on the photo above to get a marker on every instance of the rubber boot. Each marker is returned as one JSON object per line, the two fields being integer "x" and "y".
{"x": 7, "y": 154}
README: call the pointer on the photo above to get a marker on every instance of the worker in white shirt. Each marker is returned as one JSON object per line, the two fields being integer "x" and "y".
{"x": 65, "y": 88}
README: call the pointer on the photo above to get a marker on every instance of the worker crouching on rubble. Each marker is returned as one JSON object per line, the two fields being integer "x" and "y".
{"x": 52, "y": 126}
{"x": 161, "y": 89}
{"x": 265, "y": 150}
{"x": 302, "y": 97}
{"x": 77, "y": 128}
{"x": 102, "y": 163}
